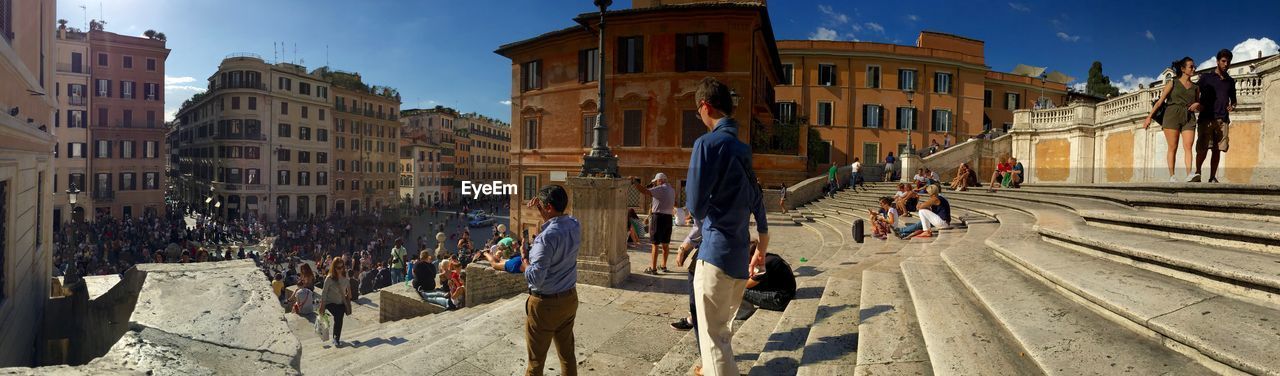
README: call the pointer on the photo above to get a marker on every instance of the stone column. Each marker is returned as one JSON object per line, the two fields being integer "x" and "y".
{"x": 909, "y": 162}
{"x": 600, "y": 205}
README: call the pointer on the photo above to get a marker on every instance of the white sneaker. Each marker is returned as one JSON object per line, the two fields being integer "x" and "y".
{"x": 1194, "y": 178}
{"x": 1173, "y": 179}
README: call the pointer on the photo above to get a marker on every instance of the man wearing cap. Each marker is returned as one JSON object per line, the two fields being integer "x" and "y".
{"x": 661, "y": 214}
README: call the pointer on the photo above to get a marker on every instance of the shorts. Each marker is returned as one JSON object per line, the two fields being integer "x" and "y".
{"x": 1210, "y": 134}
{"x": 1188, "y": 122}
{"x": 660, "y": 228}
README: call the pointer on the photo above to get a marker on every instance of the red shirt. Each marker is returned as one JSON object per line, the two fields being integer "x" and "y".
{"x": 1004, "y": 167}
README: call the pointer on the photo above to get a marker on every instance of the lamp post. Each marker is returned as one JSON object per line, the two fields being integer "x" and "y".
{"x": 911, "y": 147}
{"x": 72, "y": 194}
{"x": 600, "y": 161}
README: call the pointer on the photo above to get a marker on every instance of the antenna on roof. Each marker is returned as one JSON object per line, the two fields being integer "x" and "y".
{"x": 295, "y": 52}
{"x": 275, "y": 52}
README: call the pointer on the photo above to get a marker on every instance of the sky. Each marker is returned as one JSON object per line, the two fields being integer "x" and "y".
{"x": 440, "y": 52}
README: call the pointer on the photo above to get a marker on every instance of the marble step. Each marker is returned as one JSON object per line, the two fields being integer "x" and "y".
{"x": 889, "y": 337}
{"x": 1060, "y": 335}
{"x": 831, "y": 345}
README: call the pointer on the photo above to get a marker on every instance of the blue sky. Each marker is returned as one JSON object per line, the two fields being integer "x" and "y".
{"x": 441, "y": 52}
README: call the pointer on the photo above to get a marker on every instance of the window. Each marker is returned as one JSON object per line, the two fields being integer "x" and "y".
{"x": 102, "y": 59}
{"x": 305, "y": 111}
{"x": 76, "y": 181}
{"x": 786, "y": 112}
{"x": 700, "y": 52}
{"x": 788, "y": 75}
{"x": 825, "y": 113}
{"x": 907, "y": 79}
{"x": 235, "y": 103}
{"x": 126, "y": 149}
{"x": 322, "y": 92}
{"x": 151, "y": 91}
{"x": 285, "y": 130}
{"x": 284, "y": 108}
{"x": 872, "y": 116}
{"x": 304, "y": 88}
{"x": 531, "y": 75}
{"x": 826, "y": 75}
{"x": 76, "y": 119}
{"x": 128, "y": 62}
{"x": 151, "y": 119}
{"x": 102, "y": 88}
{"x": 252, "y": 152}
{"x": 304, "y": 156}
{"x": 304, "y": 133}
{"x": 282, "y": 178}
{"x": 873, "y": 77}
{"x": 530, "y": 186}
{"x": 906, "y": 118}
{"x": 630, "y": 55}
{"x": 126, "y": 89}
{"x": 986, "y": 98}
{"x": 322, "y": 178}
{"x": 253, "y": 176}
{"x": 151, "y": 64}
{"x": 588, "y": 129}
{"x": 321, "y": 111}
{"x": 632, "y": 127}
{"x": 102, "y": 149}
{"x": 322, "y": 157}
{"x": 304, "y": 178}
{"x": 253, "y": 103}
{"x": 531, "y": 133}
{"x": 691, "y": 128}
{"x": 127, "y": 119}
{"x": 285, "y": 84}
{"x": 1012, "y": 100}
{"x": 76, "y": 150}
{"x": 942, "y": 82}
{"x": 128, "y": 181}
{"x": 941, "y": 121}
{"x": 322, "y": 135}
{"x": 283, "y": 155}
{"x": 588, "y": 65}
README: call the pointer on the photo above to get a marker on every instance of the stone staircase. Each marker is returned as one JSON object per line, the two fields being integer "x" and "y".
{"x": 1057, "y": 280}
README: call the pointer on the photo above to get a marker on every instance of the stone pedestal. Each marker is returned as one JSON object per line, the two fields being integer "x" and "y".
{"x": 910, "y": 162}
{"x": 600, "y": 205}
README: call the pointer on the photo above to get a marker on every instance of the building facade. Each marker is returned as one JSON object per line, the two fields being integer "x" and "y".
{"x": 257, "y": 142}
{"x": 855, "y": 94}
{"x": 126, "y": 132}
{"x": 490, "y": 148}
{"x": 419, "y": 171}
{"x": 27, "y": 108}
{"x": 366, "y": 144}
{"x": 655, "y": 56}
{"x": 71, "y": 125}
{"x": 436, "y": 126}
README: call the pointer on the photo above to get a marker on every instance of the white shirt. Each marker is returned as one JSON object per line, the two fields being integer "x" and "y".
{"x": 856, "y": 166}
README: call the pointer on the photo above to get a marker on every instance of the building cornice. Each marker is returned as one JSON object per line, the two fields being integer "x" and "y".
{"x": 848, "y": 54}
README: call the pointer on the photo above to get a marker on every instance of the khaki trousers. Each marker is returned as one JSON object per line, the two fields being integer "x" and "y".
{"x": 717, "y": 297}
{"x": 551, "y": 320}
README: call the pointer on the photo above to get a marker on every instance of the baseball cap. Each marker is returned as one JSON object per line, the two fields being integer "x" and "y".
{"x": 659, "y": 176}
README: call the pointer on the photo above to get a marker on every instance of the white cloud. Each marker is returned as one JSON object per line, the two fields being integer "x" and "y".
{"x": 183, "y": 88}
{"x": 832, "y": 15}
{"x": 1247, "y": 50}
{"x": 171, "y": 80}
{"x": 1129, "y": 82}
{"x": 913, "y": 18}
{"x": 875, "y": 27}
{"x": 824, "y": 34}
{"x": 1150, "y": 35}
{"x": 857, "y": 28}
{"x": 1019, "y": 7}
{"x": 428, "y": 103}
{"x": 506, "y": 102}
{"x": 1068, "y": 38}
{"x": 170, "y": 114}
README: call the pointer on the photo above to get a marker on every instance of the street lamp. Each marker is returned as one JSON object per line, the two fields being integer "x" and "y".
{"x": 600, "y": 161}
{"x": 72, "y": 194}
{"x": 911, "y": 96}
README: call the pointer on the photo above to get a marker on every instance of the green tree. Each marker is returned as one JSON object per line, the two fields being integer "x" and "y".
{"x": 1099, "y": 84}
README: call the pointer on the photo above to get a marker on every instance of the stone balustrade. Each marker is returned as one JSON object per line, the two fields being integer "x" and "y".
{"x": 485, "y": 285}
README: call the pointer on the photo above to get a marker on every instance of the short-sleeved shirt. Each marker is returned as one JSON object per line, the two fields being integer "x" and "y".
{"x": 1216, "y": 94}
{"x": 891, "y": 216}
{"x": 512, "y": 265}
{"x": 664, "y": 199}
{"x": 397, "y": 257}
{"x": 1004, "y": 167}
{"x": 856, "y": 166}
{"x": 306, "y": 300}
{"x": 831, "y": 173}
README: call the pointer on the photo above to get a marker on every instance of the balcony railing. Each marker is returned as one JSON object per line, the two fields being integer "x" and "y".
{"x": 104, "y": 195}
{"x": 68, "y": 68}
{"x": 240, "y": 85}
{"x": 251, "y": 137}
{"x": 368, "y": 113}
{"x": 77, "y": 101}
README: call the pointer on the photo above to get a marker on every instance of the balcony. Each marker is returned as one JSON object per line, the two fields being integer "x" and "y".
{"x": 68, "y": 68}
{"x": 240, "y": 85}
{"x": 104, "y": 195}
{"x": 77, "y": 101}
{"x": 250, "y": 137}
{"x": 368, "y": 113}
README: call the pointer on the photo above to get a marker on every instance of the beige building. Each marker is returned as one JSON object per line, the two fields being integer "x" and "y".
{"x": 257, "y": 142}
{"x": 71, "y": 125}
{"x": 366, "y": 140}
{"x": 489, "y": 156}
{"x": 419, "y": 170}
{"x": 437, "y": 126}
{"x": 27, "y": 107}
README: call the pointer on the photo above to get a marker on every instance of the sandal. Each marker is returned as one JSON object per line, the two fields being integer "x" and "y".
{"x": 650, "y": 271}
{"x": 664, "y": 270}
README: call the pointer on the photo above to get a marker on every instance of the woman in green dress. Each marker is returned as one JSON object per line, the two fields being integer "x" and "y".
{"x": 1182, "y": 98}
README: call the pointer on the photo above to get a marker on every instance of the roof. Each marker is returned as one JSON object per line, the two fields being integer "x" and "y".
{"x": 951, "y": 35}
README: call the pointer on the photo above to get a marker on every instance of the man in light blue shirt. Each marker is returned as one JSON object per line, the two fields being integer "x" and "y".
{"x": 551, "y": 270}
{"x": 723, "y": 195}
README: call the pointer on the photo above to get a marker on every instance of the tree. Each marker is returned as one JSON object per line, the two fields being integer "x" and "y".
{"x": 150, "y": 34}
{"x": 1099, "y": 85}
{"x": 161, "y": 37}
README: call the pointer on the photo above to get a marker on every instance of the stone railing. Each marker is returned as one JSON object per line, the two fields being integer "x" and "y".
{"x": 1249, "y": 89}
{"x": 1057, "y": 118}
{"x": 486, "y": 285}
{"x": 399, "y": 302}
{"x": 810, "y": 189}
{"x": 980, "y": 154}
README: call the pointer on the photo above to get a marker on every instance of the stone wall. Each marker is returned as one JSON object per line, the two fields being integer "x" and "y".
{"x": 811, "y": 189}
{"x": 399, "y": 302}
{"x": 485, "y": 285}
{"x": 980, "y": 154}
{"x": 1106, "y": 143}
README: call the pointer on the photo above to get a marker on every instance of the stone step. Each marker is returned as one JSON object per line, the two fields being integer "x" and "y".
{"x": 441, "y": 354}
{"x": 784, "y": 345}
{"x": 889, "y": 338}
{"x": 958, "y": 333}
{"x": 750, "y": 336}
{"x": 1221, "y": 205}
{"x": 681, "y": 359}
{"x": 1061, "y": 336}
{"x": 1228, "y": 330}
{"x": 832, "y": 342}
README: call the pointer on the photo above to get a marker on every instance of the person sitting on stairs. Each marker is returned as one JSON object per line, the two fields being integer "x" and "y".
{"x": 905, "y": 198}
{"x": 771, "y": 288}
{"x": 884, "y": 221}
{"x": 934, "y": 212}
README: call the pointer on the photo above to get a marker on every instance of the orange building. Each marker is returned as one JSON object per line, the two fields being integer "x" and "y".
{"x": 654, "y": 57}
{"x": 854, "y": 94}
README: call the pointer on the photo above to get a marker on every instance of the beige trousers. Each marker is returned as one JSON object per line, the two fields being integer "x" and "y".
{"x": 717, "y": 297}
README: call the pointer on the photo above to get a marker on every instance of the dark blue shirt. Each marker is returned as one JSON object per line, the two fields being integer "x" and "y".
{"x": 1216, "y": 94}
{"x": 553, "y": 260}
{"x": 943, "y": 209}
{"x": 722, "y": 195}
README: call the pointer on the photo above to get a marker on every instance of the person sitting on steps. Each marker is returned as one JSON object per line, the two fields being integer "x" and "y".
{"x": 905, "y": 198}
{"x": 771, "y": 288}
{"x": 884, "y": 221}
{"x": 963, "y": 175}
{"x": 1003, "y": 168}
{"x": 934, "y": 212}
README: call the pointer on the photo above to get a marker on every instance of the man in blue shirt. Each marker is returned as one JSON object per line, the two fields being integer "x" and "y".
{"x": 721, "y": 181}
{"x": 551, "y": 270}
{"x": 1217, "y": 101}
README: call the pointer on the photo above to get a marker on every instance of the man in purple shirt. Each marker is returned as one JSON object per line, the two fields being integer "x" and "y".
{"x": 1217, "y": 101}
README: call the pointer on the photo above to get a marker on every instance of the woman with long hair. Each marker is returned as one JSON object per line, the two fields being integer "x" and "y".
{"x": 1182, "y": 99}
{"x": 336, "y": 297}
